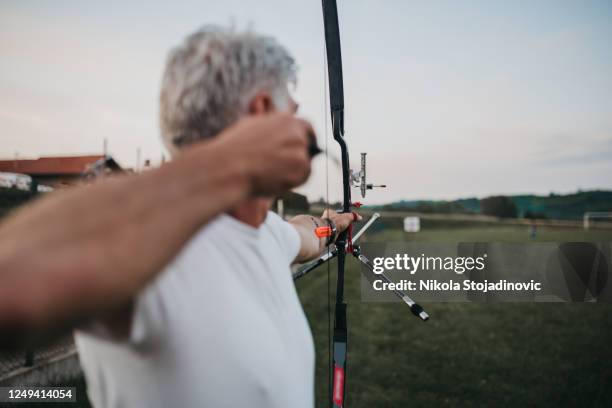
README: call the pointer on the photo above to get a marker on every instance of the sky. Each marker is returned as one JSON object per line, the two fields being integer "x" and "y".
{"x": 450, "y": 99}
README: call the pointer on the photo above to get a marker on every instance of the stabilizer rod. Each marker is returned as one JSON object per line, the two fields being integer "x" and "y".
{"x": 415, "y": 308}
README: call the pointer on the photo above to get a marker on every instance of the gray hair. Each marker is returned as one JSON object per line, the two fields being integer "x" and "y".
{"x": 210, "y": 78}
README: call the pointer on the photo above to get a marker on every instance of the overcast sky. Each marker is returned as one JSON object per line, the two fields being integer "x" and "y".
{"x": 450, "y": 99}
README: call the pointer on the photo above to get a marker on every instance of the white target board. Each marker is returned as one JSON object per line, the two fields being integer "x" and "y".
{"x": 412, "y": 224}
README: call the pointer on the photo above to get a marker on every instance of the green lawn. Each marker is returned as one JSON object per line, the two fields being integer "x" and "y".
{"x": 483, "y": 355}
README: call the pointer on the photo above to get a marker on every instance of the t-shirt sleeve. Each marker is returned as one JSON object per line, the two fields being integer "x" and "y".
{"x": 146, "y": 321}
{"x": 286, "y": 235}
{"x": 146, "y": 318}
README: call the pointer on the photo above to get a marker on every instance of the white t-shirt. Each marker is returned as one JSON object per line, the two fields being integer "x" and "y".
{"x": 222, "y": 326}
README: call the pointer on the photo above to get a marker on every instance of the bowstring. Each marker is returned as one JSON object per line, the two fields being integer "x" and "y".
{"x": 326, "y": 127}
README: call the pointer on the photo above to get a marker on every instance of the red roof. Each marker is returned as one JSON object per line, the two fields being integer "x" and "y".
{"x": 50, "y": 165}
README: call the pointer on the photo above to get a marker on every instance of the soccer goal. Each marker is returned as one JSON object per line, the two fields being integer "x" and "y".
{"x": 587, "y": 219}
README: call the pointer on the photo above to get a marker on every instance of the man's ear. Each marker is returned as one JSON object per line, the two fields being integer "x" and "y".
{"x": 261, "y": 104}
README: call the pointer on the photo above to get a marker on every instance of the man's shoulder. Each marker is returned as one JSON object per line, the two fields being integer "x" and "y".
{"x": 285, "y": 234}
{"x": 277, "y": 225}
{"x": 273, "y": 220}
{"x": 225, "y": 232}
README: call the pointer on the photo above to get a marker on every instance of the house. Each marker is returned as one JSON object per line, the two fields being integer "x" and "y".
{"x": 62, "y": 170}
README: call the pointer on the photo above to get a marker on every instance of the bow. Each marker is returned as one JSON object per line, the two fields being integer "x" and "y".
{"x": 346, "y": 242}
{"x": 336, "y": 102}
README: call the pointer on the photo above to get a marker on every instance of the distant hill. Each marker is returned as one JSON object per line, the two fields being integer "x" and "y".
{"x": 553, "y": 206}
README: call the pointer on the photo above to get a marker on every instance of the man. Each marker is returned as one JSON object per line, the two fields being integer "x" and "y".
{"x": 222, "y": 326}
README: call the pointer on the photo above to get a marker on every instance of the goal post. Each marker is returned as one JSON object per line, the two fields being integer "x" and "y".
{"x": 594, "y": 215}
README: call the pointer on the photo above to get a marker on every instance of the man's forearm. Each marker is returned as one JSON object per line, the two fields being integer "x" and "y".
{"x": 311, "y": 245}
{"x": 82, "y": 252}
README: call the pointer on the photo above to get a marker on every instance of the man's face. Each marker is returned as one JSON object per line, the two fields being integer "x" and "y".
{"x": 285, "y": 103}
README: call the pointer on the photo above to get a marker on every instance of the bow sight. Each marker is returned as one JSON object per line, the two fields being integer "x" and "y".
{"x": 358, "y": 178}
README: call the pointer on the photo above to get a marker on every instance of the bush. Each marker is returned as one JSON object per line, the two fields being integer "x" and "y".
{"x": 498, "y": 206}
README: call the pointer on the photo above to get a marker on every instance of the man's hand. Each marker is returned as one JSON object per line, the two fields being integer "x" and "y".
{"x": 274, "y": 149}
{"x": 342, "y": 220}
{"x": 311, "y": 245}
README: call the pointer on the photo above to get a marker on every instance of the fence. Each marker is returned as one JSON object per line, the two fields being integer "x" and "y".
{"x": 15, "y": 362}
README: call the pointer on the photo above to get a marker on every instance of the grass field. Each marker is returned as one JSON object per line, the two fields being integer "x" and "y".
{"x": 467, "y": 355}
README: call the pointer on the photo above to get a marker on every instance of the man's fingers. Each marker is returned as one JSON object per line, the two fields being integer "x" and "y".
{"x": 306, "y": 126}
{"x": 329, "y": 213}
{"x": 351, "y": 217}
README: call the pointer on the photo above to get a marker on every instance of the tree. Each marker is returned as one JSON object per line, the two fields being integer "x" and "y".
{"x": 499, "y": 206}
{"x": 532, "y": 215}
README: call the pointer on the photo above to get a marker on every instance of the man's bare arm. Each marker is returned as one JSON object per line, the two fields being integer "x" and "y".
{"x": 84, "y": 252}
